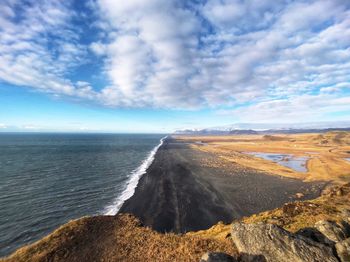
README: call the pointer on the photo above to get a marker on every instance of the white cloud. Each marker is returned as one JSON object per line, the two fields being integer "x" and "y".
{"x": 245, "y": 58}
{"x": 294, "y": 109}
{"x": 186, "y": 54}
{"x": 98, "y": 48}
{"x": 39, "y": 47}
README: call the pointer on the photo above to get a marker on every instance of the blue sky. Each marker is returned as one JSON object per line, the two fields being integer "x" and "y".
{"x": 157, "y": 66}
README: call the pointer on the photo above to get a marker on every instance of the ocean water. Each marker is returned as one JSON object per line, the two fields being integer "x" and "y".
{"x": 49, "y": 179}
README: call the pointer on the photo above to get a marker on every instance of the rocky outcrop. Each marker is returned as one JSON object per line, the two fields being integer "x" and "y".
{"x": 273, "y": 243}
{"x": 217, "y": 257}
{"x": 315, "y": 235}
{"x": 343, "y": 250}
{"x": 332, "y": 230}
{"x": 346, "y": 215}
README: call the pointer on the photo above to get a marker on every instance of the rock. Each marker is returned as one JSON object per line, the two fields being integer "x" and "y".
{"x": 251, "y": 258}
{"x": 339, "y": 192}
{"x": 331, "y": 230}
{"x": 299, "y": 195}
{"x": 326, "y": 191}
{"x": 345, "y": 213}
{"x": 217, "y": 257}
{"x": 343, "y": 250}
{"x": 315, "y": 235}
{"x": 276, "y": 244}
{"x": 346, "y": 228}
{"x": 292, "y": 209}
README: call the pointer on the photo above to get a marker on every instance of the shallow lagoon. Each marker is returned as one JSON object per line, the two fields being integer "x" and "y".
{"x": 287, "y": 160}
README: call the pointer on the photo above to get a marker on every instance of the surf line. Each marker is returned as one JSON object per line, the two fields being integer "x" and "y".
{"x": 133, "y": 181}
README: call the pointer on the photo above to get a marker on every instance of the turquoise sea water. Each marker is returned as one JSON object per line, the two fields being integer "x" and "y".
{"x": 49, "y": 179}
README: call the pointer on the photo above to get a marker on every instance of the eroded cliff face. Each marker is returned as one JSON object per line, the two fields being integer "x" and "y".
{"x": 123, "y": 238}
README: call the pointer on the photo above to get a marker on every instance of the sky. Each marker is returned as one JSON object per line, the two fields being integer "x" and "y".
{"x": 163, "y": 65}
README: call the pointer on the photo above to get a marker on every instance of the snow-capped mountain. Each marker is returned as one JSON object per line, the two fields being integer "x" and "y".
{"x": 268, "y": 128}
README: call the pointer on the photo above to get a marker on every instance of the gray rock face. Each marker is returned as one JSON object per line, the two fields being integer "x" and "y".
{"x": 315, "y": 235}
{"x": 346, "y": 215}
{"x": 273, "y": 243}
{"x": 217, "y": 257}
{"x": 332, "y": 230}
{"x": 343, "y": 250}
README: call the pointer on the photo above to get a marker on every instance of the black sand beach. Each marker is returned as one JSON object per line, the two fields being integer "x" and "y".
{"x": 181, "y": 193}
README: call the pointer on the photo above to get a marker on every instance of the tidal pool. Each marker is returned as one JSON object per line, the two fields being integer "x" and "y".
{"x": 287, "y": 160}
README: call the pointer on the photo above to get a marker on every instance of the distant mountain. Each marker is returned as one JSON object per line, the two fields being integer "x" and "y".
{"x": 242, "y": 132}
{"x": 266, "y": 128}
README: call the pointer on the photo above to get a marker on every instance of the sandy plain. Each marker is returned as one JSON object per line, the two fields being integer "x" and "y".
{"x": 327, "y": 153}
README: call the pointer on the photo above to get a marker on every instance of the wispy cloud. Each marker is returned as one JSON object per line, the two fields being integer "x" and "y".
{"x": 296, "y": 109}
{"x": 39, "y": 46}
{"x": 276, "y": 55}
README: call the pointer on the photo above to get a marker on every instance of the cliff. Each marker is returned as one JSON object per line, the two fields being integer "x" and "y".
{"x": 123, "y": 238}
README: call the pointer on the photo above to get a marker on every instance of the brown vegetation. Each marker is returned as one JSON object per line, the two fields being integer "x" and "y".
{"x": 119, "y": 238}
{"x": 326, "y": 153}
{"x": 123, "y": 238}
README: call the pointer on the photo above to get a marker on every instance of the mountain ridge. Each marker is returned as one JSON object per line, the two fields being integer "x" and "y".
{"x": 266, "y": 129}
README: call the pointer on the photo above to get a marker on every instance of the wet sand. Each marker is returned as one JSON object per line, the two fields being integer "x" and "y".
{"x": 181, "y": 192}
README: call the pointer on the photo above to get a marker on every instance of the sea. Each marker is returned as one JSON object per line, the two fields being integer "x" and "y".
{"x": 48, "y": 179}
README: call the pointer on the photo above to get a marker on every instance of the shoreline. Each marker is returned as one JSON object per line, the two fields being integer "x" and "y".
{"x": 134, "y": 179}
{"x": 179, "y": 193}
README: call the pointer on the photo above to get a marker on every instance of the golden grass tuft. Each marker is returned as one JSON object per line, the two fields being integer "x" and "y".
{"x": 119, "y": 238}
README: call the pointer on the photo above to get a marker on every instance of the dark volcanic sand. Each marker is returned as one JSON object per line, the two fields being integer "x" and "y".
{"x": 180, "y": 193}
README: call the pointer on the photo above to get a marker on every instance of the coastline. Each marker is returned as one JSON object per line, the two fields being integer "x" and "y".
{"x": 185, "y": 190}
{"x": 133, "y": 181}
{"x": 180, "y": 193}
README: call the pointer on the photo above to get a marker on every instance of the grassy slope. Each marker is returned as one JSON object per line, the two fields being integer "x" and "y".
{"x": 122, "y": 238}
{"x": 119, "y": 238}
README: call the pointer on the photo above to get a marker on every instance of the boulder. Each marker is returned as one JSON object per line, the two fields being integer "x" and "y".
{"x": 273, "y": 243}
{"x": 346, "y": 227}
{"x": 332, "y": 230}
{"x": 299, "y": 195}
{"x": 251, "y": 258}
{"x": 343, "y": 250}
{"x": 217, "y": 257}
{"x": 345, "y": 213}
{"x": 315, "y": 235}
{"x": 339, "y": 192}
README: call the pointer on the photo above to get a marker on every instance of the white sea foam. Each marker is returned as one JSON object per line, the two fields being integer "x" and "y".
{"x": 133, "y": 181}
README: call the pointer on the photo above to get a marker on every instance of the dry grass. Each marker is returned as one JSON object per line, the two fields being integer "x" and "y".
{"x": 123, "y": 238}
{"x": 120, "y": 238}
{"x": 326, "y": 152}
